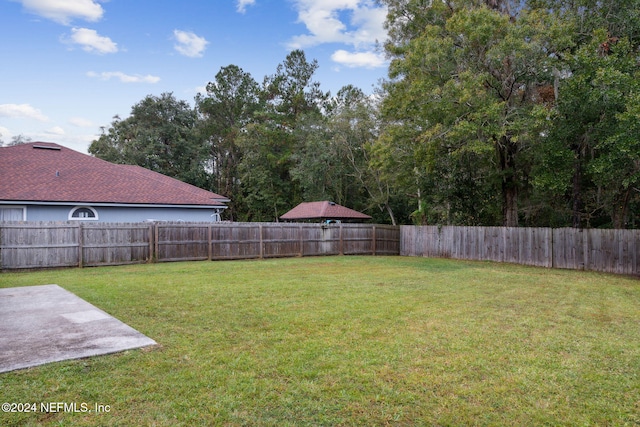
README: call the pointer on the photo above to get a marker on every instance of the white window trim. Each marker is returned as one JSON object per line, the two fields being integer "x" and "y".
{"x": 95, "y": 213}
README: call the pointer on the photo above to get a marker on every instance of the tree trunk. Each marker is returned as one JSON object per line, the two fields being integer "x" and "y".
{"x": 507, "y": 153}
{"x": 620, "y": 211}
{"x": 576, "y": 191}
{"x": 391, "y": 215}
{"x": 510, "y": 206}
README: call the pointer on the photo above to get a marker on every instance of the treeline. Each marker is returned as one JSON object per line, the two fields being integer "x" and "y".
{"x": 266, "y": 146}
{"x": 495, "y": 112}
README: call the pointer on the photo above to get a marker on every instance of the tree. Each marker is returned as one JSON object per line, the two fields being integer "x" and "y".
{"x": 464, "y": 80}
{"x": 16, "y": 140}
{"x": 160, "y": 135}
{"x": 617, "y": 168}
{"x": 230, "y": 104}
{"x": 354, "y": 125}
{"x": 290, "y": 97}
{"x": 596, "y": 80}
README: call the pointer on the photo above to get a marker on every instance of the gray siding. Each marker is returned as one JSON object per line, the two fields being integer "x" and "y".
{"x": 123, "y": 214}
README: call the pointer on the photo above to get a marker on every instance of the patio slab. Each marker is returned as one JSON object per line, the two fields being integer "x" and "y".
{"x": 43, "y": 324}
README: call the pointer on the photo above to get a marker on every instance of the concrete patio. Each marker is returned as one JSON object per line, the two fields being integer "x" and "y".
{"x": 43, "y": 324}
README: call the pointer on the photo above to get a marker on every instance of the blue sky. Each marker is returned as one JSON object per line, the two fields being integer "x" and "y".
{"x": 69, "y": 66}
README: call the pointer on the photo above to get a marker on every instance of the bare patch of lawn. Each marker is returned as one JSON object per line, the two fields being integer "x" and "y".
{"x": 348, "y": 341}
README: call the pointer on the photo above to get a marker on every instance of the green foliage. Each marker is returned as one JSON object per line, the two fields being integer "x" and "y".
{"x": 290, "y": 98}
{"x": 496, "y": 112}
{"x": 229, "y": 107}
{"x": 528, "y": 95}
{"x": 461, "y": 89}
{"x": 160, "y": 135}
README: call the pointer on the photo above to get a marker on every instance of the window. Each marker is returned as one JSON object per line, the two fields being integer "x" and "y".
{"x": 14, "y": 213}
{"x": 85, "y": 213}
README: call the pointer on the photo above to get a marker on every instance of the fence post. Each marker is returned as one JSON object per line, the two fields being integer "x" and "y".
{"x": 210, "y": 238}
{"x": 341, "y": 244}
{"x": 156, "y": 244}
{"x": 551, "y": 248}
{"x": 80, "y": 244}
{"x": 373, "y": 243}
{"x": 150, "y": 233}
{"x": 585, "y": 249}
{"x": 261, "y": 242}
{"x": 301, "y": 238}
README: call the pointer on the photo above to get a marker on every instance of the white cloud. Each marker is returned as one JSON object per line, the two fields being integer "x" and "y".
{"x": 56, "y": 130}
{"x": 355, "y": 23}
{"x": 242, "y": 5}
{"x": 189, "y": 44}
{"x": 22, "y": 111}
{"x": 81, "y": 122}
{"x": 64, "y": 11}
{"x": 91, "y": 41}
{"x": 358, "y": 59}
{"x": 124, "y": 78}
{"x": 361, "y": 24}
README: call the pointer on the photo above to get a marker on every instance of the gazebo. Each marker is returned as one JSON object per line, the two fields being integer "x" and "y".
{"x": 324, "y": 211}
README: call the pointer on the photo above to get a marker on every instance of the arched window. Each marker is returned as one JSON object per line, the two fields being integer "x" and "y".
{"x": 83, "y": 213}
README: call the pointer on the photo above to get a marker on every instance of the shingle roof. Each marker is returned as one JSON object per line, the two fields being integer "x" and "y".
{"x": 49, "y": 172}
{"x": 323, "y": 210}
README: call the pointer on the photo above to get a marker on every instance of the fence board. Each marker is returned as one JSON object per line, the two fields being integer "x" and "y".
{"x": 48, "y": 244}
{"x": 67, "y": 244}
{"x": 182, "y": 242}
{"x": 612, "y": 251}
{"x": 114, "y": 244}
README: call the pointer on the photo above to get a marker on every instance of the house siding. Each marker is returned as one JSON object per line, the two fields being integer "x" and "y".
{"x": 123, "y": 214}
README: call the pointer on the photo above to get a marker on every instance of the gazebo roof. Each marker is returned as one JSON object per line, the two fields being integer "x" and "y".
{"x": 324, "y": 210}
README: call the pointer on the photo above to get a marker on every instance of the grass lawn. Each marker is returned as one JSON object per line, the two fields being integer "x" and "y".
{"x": 348, "y": 341}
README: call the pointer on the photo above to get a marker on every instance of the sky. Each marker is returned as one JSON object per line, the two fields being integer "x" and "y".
{"x": 70, "y": 66}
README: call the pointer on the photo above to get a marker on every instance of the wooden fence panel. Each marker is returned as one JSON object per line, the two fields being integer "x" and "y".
{"x": 281, "y": 240}
{"x": 115, "y": 243}
{"x": 236, "y": 241}
{"x": 357, "y": 240}
{"x": 387, "y": 240}
{"x": 568, "y": 248}
{"x": 182, "y": 242}
{"x": 38, "y": 245}
{"x": 321, "y": 240}
{"x": 613, "y": 251}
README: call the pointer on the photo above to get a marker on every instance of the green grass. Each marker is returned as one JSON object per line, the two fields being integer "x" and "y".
{"x": 348, "y": 341}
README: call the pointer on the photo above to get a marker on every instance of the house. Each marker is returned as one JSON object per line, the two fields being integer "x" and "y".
{"x": 43, "y": 181}
{"x": 325, "y": 212}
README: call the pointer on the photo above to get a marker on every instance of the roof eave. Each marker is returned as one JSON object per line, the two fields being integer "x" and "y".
{"x": 111, "y": 204}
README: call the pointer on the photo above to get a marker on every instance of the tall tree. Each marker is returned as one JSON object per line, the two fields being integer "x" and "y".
{"x": 269, "y": 143}
{"x": 228, "y": 108}
{"x": 464, "y": 82}
{"x": 16, "y": 140}
{"x": 160, "y": 135}
{"x": 597, "y": 77}
{"x": 332, "y": 159}
{"x": 354, "y": 125}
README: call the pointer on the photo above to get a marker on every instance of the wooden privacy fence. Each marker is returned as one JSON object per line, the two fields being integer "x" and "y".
{"x": 68, "y": 244}
{"x": 612, "y": 251}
